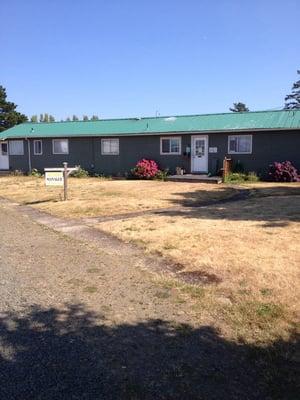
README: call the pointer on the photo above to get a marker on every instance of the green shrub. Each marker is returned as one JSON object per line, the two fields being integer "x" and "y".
{"x": 252, "y": 177}
{"x": 80, "y": 173}
{"x": 162, "y": 175}
{"x": 237, "y": 177}
{"x": 35, "y": 172}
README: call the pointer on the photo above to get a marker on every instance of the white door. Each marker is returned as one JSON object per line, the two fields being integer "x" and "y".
{"x": 199, "y": 154}
{"x": 4, "y": 164}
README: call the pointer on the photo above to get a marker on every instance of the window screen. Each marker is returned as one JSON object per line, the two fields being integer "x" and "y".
{"x": 110, "y": 146}
{"x": 240, "y": 144}
{"x": 16, "y": 148}
{"x": 60, "y": 146}
{"x": 170, "y": 145}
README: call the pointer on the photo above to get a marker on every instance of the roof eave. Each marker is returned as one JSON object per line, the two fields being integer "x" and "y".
{"x": 185, "y": 132}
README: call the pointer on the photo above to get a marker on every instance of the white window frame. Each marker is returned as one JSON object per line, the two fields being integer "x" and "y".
{"x": 111, "y": 153}
{"x": 53, "y": 140}
{"x": 34, "y": 152}
{"x": 16, "y": 154}
{"x": 230, "y": 137}
{"x": 170, "y": 138}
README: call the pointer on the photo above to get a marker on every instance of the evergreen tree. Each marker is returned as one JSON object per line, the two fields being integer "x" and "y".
{"x": 292, "y": 101}
{"x": 239, "y": 107}
{"x": 74, "y": 118}
{"x": 95, "y": 118}
{"x": 34, "y": 118}
{"x": 45, "y": 117}
{"x": 8, "y": 115}
{"x": 85, "y": 118}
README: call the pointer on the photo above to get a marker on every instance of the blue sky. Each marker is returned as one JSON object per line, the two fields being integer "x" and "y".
{"x": 122, "y": 58}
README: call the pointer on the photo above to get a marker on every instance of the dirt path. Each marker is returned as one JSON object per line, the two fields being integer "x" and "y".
{"x": 84, "y": 320}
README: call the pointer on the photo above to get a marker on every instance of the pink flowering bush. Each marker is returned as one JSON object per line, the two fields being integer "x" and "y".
{"x": 283, "y": 172}
{"x": 146, "y": 169}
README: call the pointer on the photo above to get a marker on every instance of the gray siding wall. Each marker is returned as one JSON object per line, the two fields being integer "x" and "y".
{"x": 267, "y": 147}
{"x": 133, "y": 149}
{"x": 87, "y": 153}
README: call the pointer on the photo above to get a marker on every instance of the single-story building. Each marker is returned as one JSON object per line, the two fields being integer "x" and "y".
{"x": 196, "y": 143}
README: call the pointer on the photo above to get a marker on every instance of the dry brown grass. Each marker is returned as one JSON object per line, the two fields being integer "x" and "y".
{"x": 245, "y": 254}
{"x": 89, "y": 197}
{"x": 251, "y": 247}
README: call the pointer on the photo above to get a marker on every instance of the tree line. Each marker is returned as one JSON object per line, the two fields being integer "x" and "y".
{"x": 50, "y": 118}
{"x": 9, "y": 116}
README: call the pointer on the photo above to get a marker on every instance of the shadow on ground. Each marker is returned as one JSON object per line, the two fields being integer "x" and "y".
{"x": 72, "y": 354}
{"x": 34, "y": 202}
{"x": 276, "y": 205}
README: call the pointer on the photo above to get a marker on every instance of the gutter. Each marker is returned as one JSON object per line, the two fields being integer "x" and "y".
{"x": 29, "y": 154}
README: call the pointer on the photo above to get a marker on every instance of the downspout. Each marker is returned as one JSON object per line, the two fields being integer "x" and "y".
{"x": 29, "y": 155}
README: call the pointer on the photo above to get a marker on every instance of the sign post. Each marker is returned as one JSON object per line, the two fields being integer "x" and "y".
{"x": 65, "y": 164}
{"x": 59, "y": 177}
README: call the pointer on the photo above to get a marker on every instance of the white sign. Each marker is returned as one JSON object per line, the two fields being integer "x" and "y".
{"x": 213, "y": 149}
{"x": 54, "y": 178}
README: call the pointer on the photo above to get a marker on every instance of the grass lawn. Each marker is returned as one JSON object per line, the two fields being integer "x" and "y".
{"x": 245, "y": 255}
{"x": 90, "y": 197}
{"x": 242, "y": 257}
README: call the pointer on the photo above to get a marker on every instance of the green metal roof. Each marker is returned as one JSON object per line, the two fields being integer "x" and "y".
{"x": 258, "y": 120}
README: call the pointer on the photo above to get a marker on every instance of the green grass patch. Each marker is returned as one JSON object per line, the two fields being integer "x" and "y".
{"x": 162, "y": 294}
{"x": 93, "y": 270}
{"x": 266, "y": 291}
{"x": 183, "y": 329}
{"x": 75, "y": 282}
{"x": 90, "y": 289}
{"x": 258, "y": 311}
{"x": 269, "y": 311}
{"x": 194, "y": 291}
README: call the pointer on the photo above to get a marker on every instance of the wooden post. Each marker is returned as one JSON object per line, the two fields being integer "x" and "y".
{"x": 65, "y": 164}
{"x": 227, "y": 167}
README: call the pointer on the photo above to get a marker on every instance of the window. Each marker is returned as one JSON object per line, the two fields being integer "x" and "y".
{"x": 16, "y": 148}
{"x": 110, "y": 146}
{"x": 37, "y": 147}
{"x": 60, "y": 146}
{"x": 241, "y": 144}
{"x": 4, "y": 149}
{"x": 170, "y": 145}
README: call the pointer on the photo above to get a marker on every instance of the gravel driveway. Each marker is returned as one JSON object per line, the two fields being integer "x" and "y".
{"x": 81, "y": 322}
